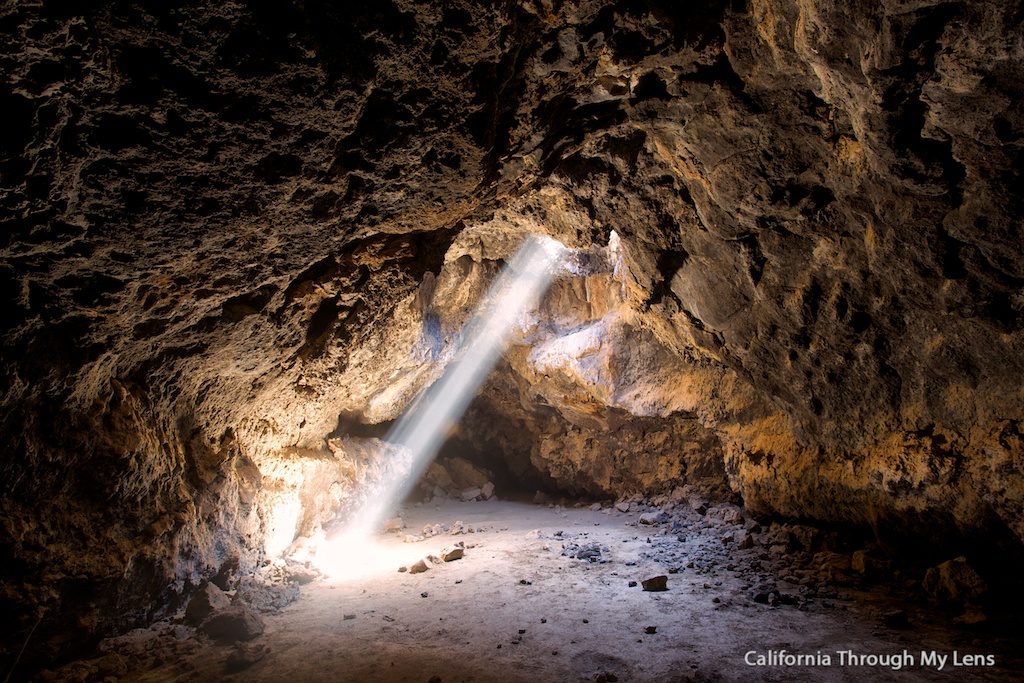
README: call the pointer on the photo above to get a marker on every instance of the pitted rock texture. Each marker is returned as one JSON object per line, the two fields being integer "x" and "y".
{"x": 233, "y": 230}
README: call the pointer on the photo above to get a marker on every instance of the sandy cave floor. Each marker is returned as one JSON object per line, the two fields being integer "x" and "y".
{"x": 515, "y": 608}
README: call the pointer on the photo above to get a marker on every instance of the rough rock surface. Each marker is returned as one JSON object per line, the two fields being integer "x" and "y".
{"x": 238, "y": 239}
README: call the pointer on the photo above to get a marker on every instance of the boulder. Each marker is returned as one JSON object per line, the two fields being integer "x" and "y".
{"x": 954, "y": 581}
{"x": 232, "y": 624}
{"x": 467, "y": 475}
{"x": 207, "y": 600}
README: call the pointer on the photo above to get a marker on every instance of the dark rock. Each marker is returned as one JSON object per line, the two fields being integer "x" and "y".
{"x": 870, "y": 565}
{"x": 897, "y": 619}
{"x": 656, "y": 583}
{"x": 588, "y": 552}
{"x": 770, "y": 597}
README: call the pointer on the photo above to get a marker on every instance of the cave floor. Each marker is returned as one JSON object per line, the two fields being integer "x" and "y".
{"x": 515, "y": 608}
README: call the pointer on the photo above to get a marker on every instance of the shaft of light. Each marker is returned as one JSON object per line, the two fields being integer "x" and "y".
{"x": 422, "y": 429}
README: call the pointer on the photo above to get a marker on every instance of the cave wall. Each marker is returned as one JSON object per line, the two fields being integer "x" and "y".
{"x": 226, "y": 224}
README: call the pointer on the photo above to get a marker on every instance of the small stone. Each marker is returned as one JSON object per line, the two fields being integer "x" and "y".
{"x": 487, "y": 491}
{"x": 543, "y": 620}
{"x": 716, "y": 600}
{"x": 632, "y": 584}
{"x": 656, "y": 583}
{"x": 394, "y": 524}
{"x": 207, "y": 600}
{"x": 524, "y": 582}
{"x": 419, "y": 567}
{"x": 403, "y": 569}
{"x": 650, "y": 630}
{"x": 349, "y": 617}
{"x": 622, "y": 506}
{"x": 424, "y": 594}
{"x": 596, "y": 507}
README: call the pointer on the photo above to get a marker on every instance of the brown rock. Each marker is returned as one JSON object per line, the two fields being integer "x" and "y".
{"x": 207, "y": 600}
{"x": 233, "y": 624}
{"x": 419, "y": 566}
{"x": 954, "y": 581}
{"x": 655, "y": 583}
{"x": 452, "y": 553}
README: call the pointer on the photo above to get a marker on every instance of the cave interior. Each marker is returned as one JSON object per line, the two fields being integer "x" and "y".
{"x": 785, "y": 332}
